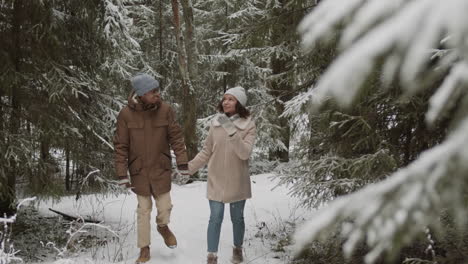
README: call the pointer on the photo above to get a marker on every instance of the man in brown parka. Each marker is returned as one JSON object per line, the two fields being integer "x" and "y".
{"x": 146, "y": 130}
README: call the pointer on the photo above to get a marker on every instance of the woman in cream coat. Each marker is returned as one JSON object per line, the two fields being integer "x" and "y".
{"x": 226, "y": 151}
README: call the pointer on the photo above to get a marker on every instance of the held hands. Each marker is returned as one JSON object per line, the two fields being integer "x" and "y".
{"x": 227, "y": 124}
{"x": 183, "y": 170}
{"x": 181, "y": 175}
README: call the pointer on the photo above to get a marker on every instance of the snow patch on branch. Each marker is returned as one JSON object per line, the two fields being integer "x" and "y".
{"x": 449, "y": 92}
{"x": 407, "y": 36}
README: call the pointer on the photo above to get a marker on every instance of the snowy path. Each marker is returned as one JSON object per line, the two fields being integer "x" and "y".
{"x": 264, "y": 214}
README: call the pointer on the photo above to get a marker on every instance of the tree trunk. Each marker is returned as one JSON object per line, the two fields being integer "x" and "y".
{"x": 45, "y": 167}
{"x": 159, "y": 37}
{"x": 281, "y": 90}
{"x": 2, "y": 115}
{"x": 225, "y": 66}
{"x": 187, "y": 68}
{"x": 190, "y": 45}
{"x": 183, "y": 69}
{"x": 160, "y": 30}
{"x": 407, "y": 146}
{"x": 7, "y": 204}
{"x": 67, "y": 168}
{"x": 73, "y": 175}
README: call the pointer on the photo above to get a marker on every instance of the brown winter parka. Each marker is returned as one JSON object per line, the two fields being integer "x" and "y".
{"x": 142, "y": 142}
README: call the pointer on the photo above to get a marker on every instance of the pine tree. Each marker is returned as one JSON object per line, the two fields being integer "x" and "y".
{"x": 397, "y": 39}
{"x": 63, "y": 61}
{"x": 254, "y": 45}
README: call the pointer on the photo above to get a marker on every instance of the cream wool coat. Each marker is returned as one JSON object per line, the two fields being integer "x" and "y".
{"x": 228, "y": 161}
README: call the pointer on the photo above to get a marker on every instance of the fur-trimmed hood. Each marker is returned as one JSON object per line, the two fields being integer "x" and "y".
{"x": 137, "y": 105}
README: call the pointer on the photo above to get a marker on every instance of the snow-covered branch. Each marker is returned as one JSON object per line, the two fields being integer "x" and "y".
{"x": 7, "y": 250}
{"x": 389, "y": 213}
{"x": 403, "y": 32}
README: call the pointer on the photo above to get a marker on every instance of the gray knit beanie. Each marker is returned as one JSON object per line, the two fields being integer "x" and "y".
{"x": 143, "y": 83}
{"x": 239, "y": 93}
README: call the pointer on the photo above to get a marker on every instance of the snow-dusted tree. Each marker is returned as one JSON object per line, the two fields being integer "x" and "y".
{"x": 414, "y": 43}
{"x": 63, "y": 62}
{"x": 166, "y": 33}
{"x": 254, "y": 44}
{"x": 339, "y": 151}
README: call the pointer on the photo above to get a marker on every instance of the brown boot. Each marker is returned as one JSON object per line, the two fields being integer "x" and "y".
{"x": 237, "y": 256}
{"x": 168, "y": 236}
{"x": 144, "y": 255}
{"x": 212, "y": 259}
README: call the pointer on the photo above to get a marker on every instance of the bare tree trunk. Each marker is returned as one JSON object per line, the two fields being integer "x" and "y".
{"x": 187, "y": 68}
{"x": 190, "y": 45}
{"x": 180, "y": 44}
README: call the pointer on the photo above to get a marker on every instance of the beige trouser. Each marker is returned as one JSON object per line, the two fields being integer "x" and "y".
{"x": 145, "y": 204}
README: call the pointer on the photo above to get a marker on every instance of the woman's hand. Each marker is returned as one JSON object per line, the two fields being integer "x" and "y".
{"x": 183, "y": 170}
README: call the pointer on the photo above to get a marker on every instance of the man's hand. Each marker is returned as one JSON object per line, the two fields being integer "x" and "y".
{"x": 124, "y": 182}
{"x": 227, "y": 124}
{"x": 183, "y": 170}
{"x": 181, "y": 175}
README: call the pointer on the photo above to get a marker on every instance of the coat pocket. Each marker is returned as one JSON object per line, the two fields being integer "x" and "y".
{"x": 166, "y": 161}
{"x": 134, "y": 125}
{"x": 136, "y": 132}
{"x": 160, "y": 123}
{"x": 134, "y": 166}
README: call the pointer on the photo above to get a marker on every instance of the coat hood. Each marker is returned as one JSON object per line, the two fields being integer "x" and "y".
{"x": 137, "y": 105}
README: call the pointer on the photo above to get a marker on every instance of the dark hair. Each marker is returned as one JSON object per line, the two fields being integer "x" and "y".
{"x": 240, "y": 109}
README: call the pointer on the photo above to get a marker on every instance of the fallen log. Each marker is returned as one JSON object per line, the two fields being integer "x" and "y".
{"x": 74, "y": 218}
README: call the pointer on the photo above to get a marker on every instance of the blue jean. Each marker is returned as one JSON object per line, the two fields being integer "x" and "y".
{"x": 216, "y": 219}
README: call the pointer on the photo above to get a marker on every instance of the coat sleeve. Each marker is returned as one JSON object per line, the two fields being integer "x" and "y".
{"x": 202, "y": 158}
{"x": 176, "y": 139}
{"x": 121, "y": 146}
{"x": 243, "y": 146}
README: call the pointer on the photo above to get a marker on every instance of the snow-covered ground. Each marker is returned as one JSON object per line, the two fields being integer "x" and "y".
{"x": 265, "y": 216}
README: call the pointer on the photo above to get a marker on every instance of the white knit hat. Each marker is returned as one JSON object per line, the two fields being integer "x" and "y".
{"x": 239, "y": 93}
